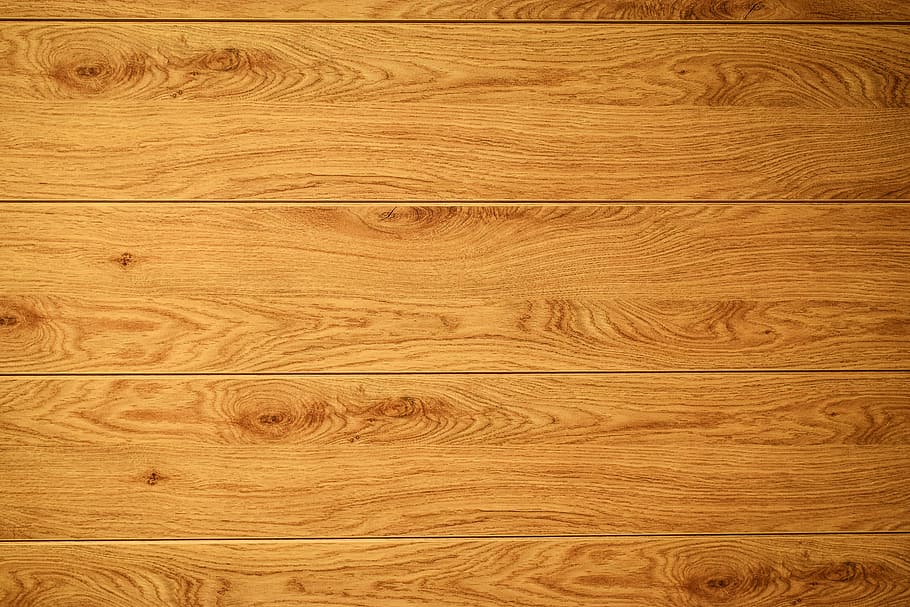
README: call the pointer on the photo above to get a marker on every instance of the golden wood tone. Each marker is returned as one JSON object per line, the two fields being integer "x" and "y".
{"x": 175, "y": 457}
{"x": 471, "y": 304}
{"x": 510, "y": 112}
{"x": 181, "y": 491}
{"x": 259, "y": 288}
{"x": 523, "y": 411}
{"x": 796, "y": 66}
{"x": 621, "y": 572}
{"x": 493, "y": 10}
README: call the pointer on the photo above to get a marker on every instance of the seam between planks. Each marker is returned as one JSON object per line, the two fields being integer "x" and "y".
{"x": 432, "y": 373}
{"x": 446, "y": 203}
{"x": 454, "y": 21}
{"x": 430, "y": 538}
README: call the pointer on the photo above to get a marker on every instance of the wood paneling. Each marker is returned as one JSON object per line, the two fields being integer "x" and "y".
{"x": 459, "y": 65}
{"x": 861, "y": 571}
{"x": 352, "y": 490}
{"x": 452, "y": 253}
{"x": 494, "y": 10}
{"x": 419, "y": 151}
{"x": 784, "y": 409}
{"x": 471, "y": 111}
{"x": 258, "y": 288}
{"x": 474, "y": 403}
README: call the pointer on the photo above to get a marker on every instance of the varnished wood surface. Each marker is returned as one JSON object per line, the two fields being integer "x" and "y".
{"x": 157, "y": 151}
{"x": 798, "y": 66}
{"x": 493, "y": 10}
{"x": 258, "y": 288}
{"x": 352, "y": 490}
{"x": 439, "y": 253}
{"x": 277, "y": 403}
{"x": 549, "y": 112}
{"x": 524, "y": 411}
{"x": 860, "y": 571}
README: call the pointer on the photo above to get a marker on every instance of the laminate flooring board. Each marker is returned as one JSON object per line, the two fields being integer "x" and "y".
{"x": 858, "y": 570}
{"x": 548, "y": 112}
{"x": 167, "y": 288}
{"x": 352, "y": 490}
{"x": 192, "y": 64}
{"x": 492, "y": 10}
{"x": 521, "y": 411}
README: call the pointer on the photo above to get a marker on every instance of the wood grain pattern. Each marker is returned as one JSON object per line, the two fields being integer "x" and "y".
{"x": 494, "y": 10}
{"x": 521, "y": 410}
{"x": 439, "y": 253}
{"x": 151, "y": 151}
{"x": 634, "y": 65}
{"x": 259, "y": 288}
{"x": 354, "y": 490}
{"x": 549, "y": 112}
{"x": 861, "y": 571}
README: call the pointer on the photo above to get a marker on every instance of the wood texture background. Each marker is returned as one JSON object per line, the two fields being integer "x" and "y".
{"x": 300, "y": 303}
{"x": 626, "y": 572}
{"x": 247, "y": 288}
{"x": 493, "y": 10}
{"x": 493, "y": 112}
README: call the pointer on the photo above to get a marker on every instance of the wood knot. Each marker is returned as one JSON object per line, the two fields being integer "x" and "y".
{"x": 403, "y": 406}
{"x": 714, "y": 588}
{"x": 125, "y": 260}
{"x": 278, "y": 420}
{"x": 273, "y": 419}
{"x": 841, "y": 572}
{"x": 408, "y": 407}
{"x": 14, "y": 315}
{"x": 86, "y": 74}
{"x": 153, "y": 478}
{"x": 89, "y": 71}
{"x": 224, "y": 60}
{"x": 719, "y": 583}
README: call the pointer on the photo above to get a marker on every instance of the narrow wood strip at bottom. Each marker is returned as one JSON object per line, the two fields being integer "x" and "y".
{"x": 620, "y": 572}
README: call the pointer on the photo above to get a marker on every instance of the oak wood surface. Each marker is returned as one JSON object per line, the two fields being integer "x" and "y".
{"x": 258, "y": 288}
{"x": 554, "y": 112}
{"x": 784, "y": 409}
{"x": 353, "y": 490}
{"x": 797, "y": 66}
{"x": 494, "y": 10}
{"x": 152, "y": 151}
{"x": 450, "y": 489}
{"x": 857, "y": 570}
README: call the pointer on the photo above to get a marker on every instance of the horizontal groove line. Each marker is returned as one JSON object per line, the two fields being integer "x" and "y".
{"x": 404, "y": 373}
{"x": 442, "y": 202}
{"x": 680, "y": 22}
{"x": 400, "y": 538}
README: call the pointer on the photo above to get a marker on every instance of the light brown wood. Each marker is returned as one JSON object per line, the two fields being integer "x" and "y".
{"x": 353, "y": 490}
{"x": 460, "y": 65}
{"x": 419, "y": 151}
{"x": 494, "y": 10}
{"x": 470, "y": 111}
{"x": 860, "y": 570}
{"x": 258, "y": 288}
{"x": 474, "y": 403}
{"x": 795, "y": 409}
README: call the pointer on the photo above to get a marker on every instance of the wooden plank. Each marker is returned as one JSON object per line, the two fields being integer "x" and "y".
{"x": 858, "y": 570}
{"x": 416, "y": 152}
{"x": 548, "y": 112}
{"x": 257, "y": 288}
{"x": 435, "y": 253}
{"x": 739, "y": 66}
{"x": 784, "y": 409}
{"x": 494, "y": 10}
{"x": 353, "y": 490}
